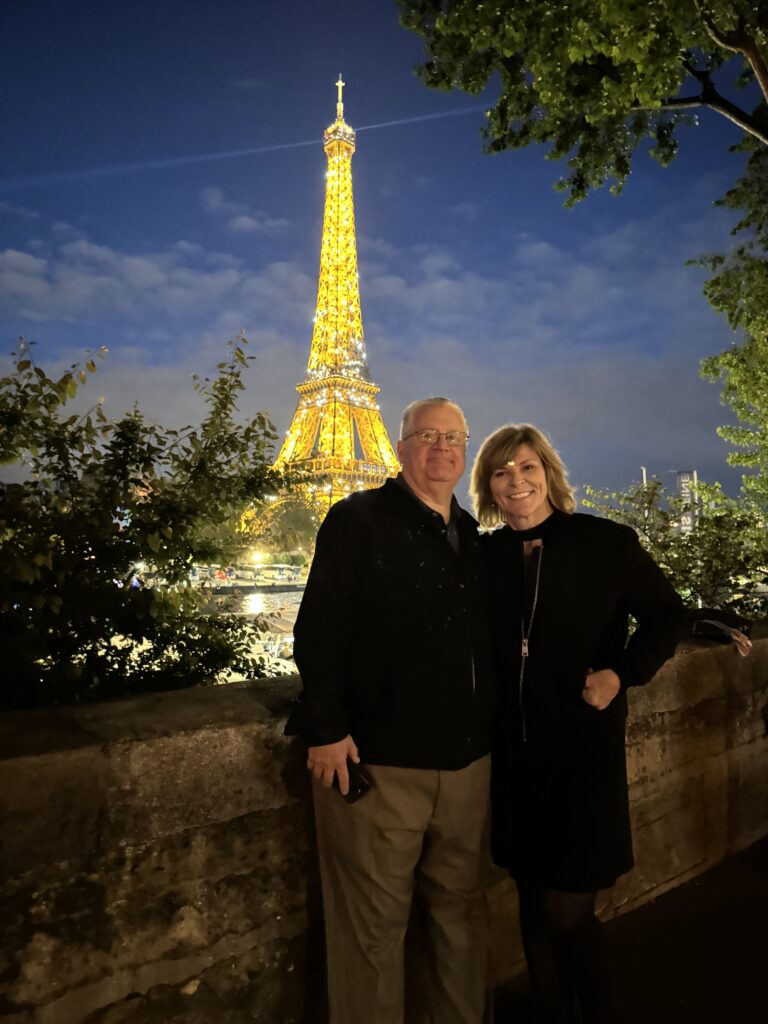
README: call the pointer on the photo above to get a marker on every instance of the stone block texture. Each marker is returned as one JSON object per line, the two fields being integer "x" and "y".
{"x": 157, "y": 861}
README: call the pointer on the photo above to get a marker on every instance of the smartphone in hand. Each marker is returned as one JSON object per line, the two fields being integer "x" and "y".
{"x": 359, "y": 782}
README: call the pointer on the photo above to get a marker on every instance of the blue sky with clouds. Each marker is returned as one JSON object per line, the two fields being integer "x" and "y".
{"x": 161, "y": 187}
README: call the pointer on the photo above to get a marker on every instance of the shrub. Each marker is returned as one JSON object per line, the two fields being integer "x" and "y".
{"x": 721, "y": 562}
{"x": 95, "y": 498}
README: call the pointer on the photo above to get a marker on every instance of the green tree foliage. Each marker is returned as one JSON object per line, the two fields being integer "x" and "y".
{"x": 592, "y": 79}
{"x": 721, "y": 563}
{"x": 739, "y": 290}
{"x": 96, "y": 497}
{"x": 288, "y": 523}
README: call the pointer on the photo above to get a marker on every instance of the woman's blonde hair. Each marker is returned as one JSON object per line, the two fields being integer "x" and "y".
{"x": 497, "y": 450}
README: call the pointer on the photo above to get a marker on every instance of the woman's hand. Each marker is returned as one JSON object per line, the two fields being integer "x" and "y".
{"x": 742, "y": 642}
{"x": 600, "y": 688}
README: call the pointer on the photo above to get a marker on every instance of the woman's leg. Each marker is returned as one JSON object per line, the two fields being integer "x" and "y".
{"x": 554, "y": 999}
{"x": 566, "y": 955}
{"x": 579, "y": 944}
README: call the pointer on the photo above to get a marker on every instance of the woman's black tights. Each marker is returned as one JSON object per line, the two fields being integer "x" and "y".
{"x": 566, "y": 956}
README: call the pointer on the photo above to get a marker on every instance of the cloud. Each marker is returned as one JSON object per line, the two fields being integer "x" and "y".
{"x": 608, "y": 410}
{"x": 467, "y": 211}
{"x": 259, "y": 224}
{"x": 81, "y": 281}
{"x": 18, "y": 211}
{"x": 240, "y": 218}
{"x": 13, "y": 261}
{"x": 376, "y": 246}
{"x": 63, "y": 229}
{"x": 599, "y": 346}
{"x": 247, "y": 84}
{"x": 22, "y": 281}
{"x": 131, "y": 374}
{"x": 212, "y": 199}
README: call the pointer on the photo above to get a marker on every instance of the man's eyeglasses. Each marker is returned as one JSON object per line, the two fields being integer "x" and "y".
{"x": 430, "y": 436}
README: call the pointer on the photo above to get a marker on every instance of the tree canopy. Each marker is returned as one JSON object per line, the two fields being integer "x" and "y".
{"x": 286, "y": 523}
{"x": 592, "y": 79}
{"x": 94, "y": 500}
{"x": 722, "y": 562}
{"x": 739, "y": 290}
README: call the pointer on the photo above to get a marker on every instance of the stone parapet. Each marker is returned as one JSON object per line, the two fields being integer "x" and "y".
{"x": 157, "y": 861}
{"x": 697, "y": 751}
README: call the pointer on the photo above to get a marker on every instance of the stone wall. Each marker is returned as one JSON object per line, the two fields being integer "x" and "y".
{"x": 156, "y": 853}
{"x": 697, "y": 762}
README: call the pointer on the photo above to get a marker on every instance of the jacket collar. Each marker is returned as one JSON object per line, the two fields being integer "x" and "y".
{"x": 456, "y": 509}
{"x": 400, "y": 494}
{"x": 543, "y": 531}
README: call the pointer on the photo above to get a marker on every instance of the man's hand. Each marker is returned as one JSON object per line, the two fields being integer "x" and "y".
{"x": 331, "y": 759}
{"x": 600, "y": 688}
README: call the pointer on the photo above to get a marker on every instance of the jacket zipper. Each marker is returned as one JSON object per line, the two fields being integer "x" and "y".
{"x": 524, "y": 638}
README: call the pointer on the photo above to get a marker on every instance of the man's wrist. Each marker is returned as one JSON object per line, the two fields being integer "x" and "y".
{"x": 325, "y": 737}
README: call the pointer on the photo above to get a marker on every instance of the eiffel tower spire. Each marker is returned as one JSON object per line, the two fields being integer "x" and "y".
{"x": 337, "y": 436}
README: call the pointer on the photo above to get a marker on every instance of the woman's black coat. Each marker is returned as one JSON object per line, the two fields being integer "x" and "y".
{"x": 561, "y": 814}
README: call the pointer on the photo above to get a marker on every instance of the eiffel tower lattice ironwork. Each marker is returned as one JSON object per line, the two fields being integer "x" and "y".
{"x": 337, "y": 396}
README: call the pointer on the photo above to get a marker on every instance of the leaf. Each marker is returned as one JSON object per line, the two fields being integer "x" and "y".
{"x": 26, "y": 573}
{"x": 104, "y": 496}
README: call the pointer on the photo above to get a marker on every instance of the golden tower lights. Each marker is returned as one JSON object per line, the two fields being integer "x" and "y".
{"x": 337, "y": 397}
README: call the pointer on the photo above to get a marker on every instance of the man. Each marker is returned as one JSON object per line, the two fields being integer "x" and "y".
{"x": 393, "y": 649}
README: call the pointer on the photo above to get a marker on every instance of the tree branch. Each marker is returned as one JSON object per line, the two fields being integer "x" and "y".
{"x": 719, "y": 105}
{"x": 735, "y": 114}
{"x": 729, "y": 41}
{"x": 759, "y": 66}
{"x": 738, "y": 42}
{"x": 678, "y": 103}
{"x": 710, "y": 97}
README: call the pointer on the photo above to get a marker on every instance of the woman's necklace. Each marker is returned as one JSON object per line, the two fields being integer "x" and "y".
{"x": 525, "y": 633}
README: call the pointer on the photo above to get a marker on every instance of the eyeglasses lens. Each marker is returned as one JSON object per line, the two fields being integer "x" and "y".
{"x": 452, "y": 437}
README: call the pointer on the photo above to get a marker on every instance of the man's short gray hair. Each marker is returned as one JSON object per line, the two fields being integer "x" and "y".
{"x": 410, "y": 411}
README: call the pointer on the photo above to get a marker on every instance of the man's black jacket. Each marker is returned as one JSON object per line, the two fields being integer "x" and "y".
{"x": 392, "y": 638}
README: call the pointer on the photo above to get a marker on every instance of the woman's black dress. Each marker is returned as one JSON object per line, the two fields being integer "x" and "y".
{"x": 560, "y": 803}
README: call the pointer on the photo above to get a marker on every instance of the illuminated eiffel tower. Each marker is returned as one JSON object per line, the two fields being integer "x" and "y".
{"x": 337, "y": 396}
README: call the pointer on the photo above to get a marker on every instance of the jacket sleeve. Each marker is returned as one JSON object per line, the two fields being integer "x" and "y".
{"x": 327, "y": 614}
{"x": 658, "y": 609}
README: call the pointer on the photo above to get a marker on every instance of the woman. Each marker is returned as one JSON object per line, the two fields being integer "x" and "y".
{"x": 565, "y": 585}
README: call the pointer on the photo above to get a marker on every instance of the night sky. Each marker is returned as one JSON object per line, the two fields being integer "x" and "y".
{"x": 161, "y": 187}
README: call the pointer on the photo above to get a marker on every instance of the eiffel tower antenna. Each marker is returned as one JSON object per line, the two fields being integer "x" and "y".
{"x": 337, "y": 406}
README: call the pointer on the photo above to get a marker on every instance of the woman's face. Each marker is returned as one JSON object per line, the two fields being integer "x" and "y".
{"x": 519, "y": 490}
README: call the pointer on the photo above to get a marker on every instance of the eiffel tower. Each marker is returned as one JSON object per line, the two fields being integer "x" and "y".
{"x": 337, "y": 396}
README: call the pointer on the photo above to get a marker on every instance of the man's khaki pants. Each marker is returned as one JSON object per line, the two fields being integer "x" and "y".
{"x": 420, "y": 837}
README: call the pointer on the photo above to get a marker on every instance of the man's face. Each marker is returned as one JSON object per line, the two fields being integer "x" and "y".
{"x": 428, "y": 464}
